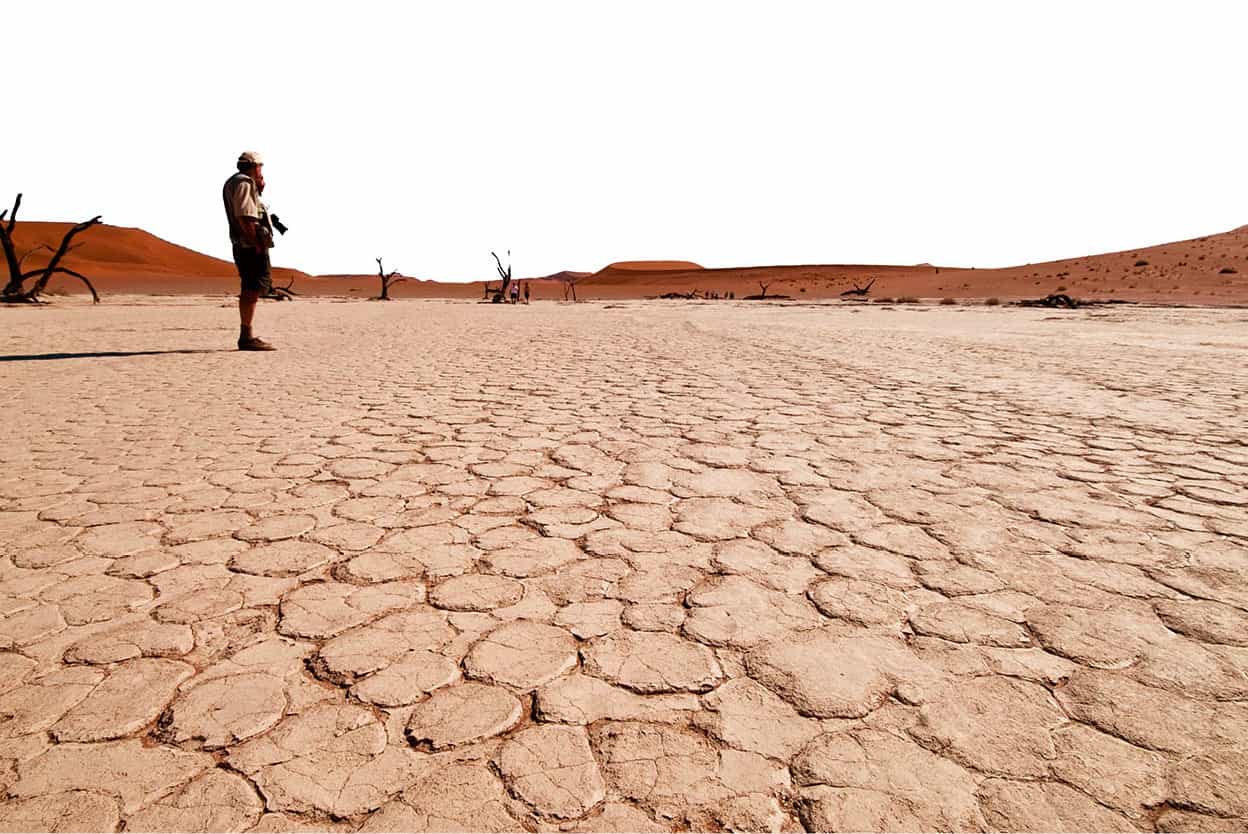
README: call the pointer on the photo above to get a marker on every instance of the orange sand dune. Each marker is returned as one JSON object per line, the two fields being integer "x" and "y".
{"x": 119, "y": 259}
{"x": 1206, "y": 270}
{"x": 651, "y": 266}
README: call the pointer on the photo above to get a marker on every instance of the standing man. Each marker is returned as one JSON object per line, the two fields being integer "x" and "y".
{"x": 252, "y": 237}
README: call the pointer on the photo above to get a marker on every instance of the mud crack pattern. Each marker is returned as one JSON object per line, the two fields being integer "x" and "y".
{"x": 635, "y": 566}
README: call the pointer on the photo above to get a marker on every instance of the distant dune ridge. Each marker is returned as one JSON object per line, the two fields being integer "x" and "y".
{"x": 651, "y": 266}
{"x": 1206, "y": 270}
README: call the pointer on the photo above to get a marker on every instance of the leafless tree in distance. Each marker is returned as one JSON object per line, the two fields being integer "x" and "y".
{"x": 505, "y": 274}
{"x": 16, "y": 290}
{"x": 285, "y": 293}
{"x": 387, "y": 278}
{"x": 860, "y": 291}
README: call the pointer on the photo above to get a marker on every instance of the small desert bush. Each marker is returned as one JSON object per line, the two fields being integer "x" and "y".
{"x": 884, "y": 300}
{"x": 1062, "y": 288}
{"x": 1227, "y": 270}
{"x": 948, "y": 301}
{"x": 993, "y": 302}
{"x": 1141, "y": 263}
{"x": 908, "y": 299}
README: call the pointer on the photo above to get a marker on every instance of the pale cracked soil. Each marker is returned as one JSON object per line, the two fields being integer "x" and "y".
{"x": 623, "y": 567}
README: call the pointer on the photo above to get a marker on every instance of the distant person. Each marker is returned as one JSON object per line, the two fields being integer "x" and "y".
{"x": 515, "y": 292}
{"x": 252, "y": 237}
{"x": 526, "y": 292}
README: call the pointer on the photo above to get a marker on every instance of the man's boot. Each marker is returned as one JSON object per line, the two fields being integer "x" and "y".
{"x": 247, "y": 341}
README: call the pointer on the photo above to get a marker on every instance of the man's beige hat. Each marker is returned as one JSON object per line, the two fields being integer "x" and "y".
{"x": 250, "y": 158}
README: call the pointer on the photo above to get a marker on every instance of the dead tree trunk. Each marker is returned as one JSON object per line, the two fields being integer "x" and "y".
{"x": 860, "y": 291}
{"x": 762, "y": 295}
{"x": 15, "y": 290}
{"x": 505, "y": 274}
{"x": 387, "y": 278}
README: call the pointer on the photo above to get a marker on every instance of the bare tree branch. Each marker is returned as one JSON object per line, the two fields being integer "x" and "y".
{"x": 285, "y": 293}
{"x": 857, "y": 290}
{"x": 23, "y": 258}
{"x": 13, "y": 217}
{"x": 95, "y": 296}
{"x": 10, "y": 254}
{"x": 50, "y": 269}
{"x": 15, "y": 289}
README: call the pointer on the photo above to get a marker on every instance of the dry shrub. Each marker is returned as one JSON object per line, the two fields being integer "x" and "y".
{"x": 993, "y": 302}
{"x": 908, "y": 299}
{"x": 884, "y": 300}
{"x": 948, "y": 301}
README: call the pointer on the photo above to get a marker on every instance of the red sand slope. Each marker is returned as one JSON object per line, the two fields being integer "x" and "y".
{"x": 117, "y": 259}
{"x": 1207, "y": 270}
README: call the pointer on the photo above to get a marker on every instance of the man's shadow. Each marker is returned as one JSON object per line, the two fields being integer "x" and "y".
{"x": 43, "y": 357}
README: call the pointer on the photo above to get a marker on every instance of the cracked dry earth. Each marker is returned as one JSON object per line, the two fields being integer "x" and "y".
{"x": 636, "y": 567}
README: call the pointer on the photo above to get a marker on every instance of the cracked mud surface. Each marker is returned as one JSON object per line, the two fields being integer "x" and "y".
{"x": 627, "y": 567}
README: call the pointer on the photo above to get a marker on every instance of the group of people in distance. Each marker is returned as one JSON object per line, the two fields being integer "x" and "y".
{"x": 515, "y": 292}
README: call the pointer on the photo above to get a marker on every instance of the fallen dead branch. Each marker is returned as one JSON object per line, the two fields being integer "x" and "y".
{"x": 860, "y": 291}
{"x": 1060, "y": 299}
{"x": 285, "y": 293}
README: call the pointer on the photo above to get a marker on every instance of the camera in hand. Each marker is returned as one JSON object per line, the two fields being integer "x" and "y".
{"x": 278, "y": 224}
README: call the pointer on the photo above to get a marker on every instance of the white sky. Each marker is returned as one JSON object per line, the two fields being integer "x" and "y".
{"x": 579, "y": 133}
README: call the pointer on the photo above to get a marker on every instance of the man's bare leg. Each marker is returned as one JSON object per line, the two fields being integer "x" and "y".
{"x": 246, "y": 311}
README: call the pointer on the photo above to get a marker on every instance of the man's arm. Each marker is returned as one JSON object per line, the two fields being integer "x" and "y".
{"x": 250, "y": 227}
{"x": 245, "y": 203}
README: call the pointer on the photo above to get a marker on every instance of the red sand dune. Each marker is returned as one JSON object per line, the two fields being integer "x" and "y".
{"x": 118, "y": 259}
{"x": 651, "y": 266}
{"x": 562, "y": 275}
{"x": 1206, "y": 270}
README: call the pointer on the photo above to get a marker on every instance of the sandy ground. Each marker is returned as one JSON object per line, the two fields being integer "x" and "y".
{"x": 635, "y": 566}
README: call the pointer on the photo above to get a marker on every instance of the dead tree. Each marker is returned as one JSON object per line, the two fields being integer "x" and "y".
{"x": 569, "y": 287}
{"x": 505, "y": 274}
{"x": 387, "y": 278}
{"x": 285, "y": 293}
{"x": 859, "y": 291}
{"x": 763, "y": 296}
{"x": 16, "y": 291}
{"x": 1053, "y": 300}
